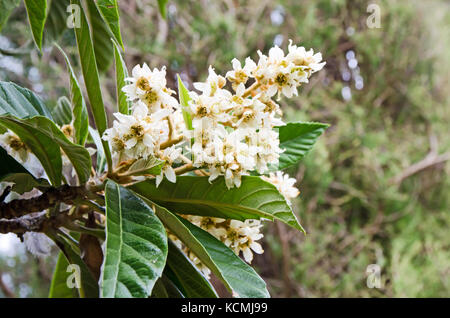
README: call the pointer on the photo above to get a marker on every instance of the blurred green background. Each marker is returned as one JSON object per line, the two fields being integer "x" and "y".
{"x": 375, "y": 189}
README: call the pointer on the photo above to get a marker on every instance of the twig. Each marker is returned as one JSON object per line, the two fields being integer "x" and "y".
{"x": 185, "y": 168}
{"x": 430, "y": 160}
{"x": 171, "y": 127}
{"x": 185, "y": 159}
{"x": 171, "y": 142}
{"x": 252, "y": 87}
{"x": 23, "y": 224}
{"x": 19, "y": 207}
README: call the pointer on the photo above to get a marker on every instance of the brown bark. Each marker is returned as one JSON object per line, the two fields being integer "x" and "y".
{"x": 20, "y": 207}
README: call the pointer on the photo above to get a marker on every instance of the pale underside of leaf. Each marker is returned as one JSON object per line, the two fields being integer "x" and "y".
{"x": 21, "y": 102}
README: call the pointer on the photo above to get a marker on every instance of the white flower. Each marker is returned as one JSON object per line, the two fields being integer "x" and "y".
{"x": 136, "y": 136}
{"x": 14, "y": 146}
{"x": 242, "y": 237}
{"x": 232, "y": 133}
{"x": 284, "y": 184}
{"x": 150, "y": 87}
{"x": 237, "y": 235}
{"x": 309, "y": 61}
{"x": 202, "y": 267}
{"x": 214, "y": 107}
{"x": 212, "y": 85}
{"x": 264, "y": 70}
{"x": 241, "y": 74}
{"x": 285, "y": 80}
{"x": 169, "y": 155}
{"x": 276, "y": 55}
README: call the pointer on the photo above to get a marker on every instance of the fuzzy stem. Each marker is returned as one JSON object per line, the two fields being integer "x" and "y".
{"x": 249, "y": 90}
{"x": 171, "y": 142}
{"x": 185, "y": 168}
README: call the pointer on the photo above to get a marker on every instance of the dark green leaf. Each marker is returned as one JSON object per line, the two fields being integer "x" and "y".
{"x": 79, "y": 110}
{"x": 121, "y": 75}
{"x": 162, "y": 7}
{"x": 254, "y": 199}
{"x": 136, "y": 245}
{"x": 13, "y": 171}
{"x": 227, "y": 266}
{"x": 62, "y": 113}
{"x": 20, "y": 102}
{"x": 101, "y": 34}
{"x": 194, "y": 284}
{"x": 37, "y": 13}
{"x": 110, "y": 12}
{"x": 89, "y": 286}
{"x": 159, "y": 290}
{"x": 9, "y": 165}
{"x": 56, "y": 22}
{"x": 171, "y": 290}
{"x": 25, "y": 182}
{"x": 43, "y": 147}
{"x": 58, "y": 287}
{"x": 297, "y": 139}
{"x": 44, "y": 139}
{"x": 91, "y": 78}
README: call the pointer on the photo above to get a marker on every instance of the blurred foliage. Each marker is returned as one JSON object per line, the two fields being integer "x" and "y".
{"x": 362, "y": 200}
{"x": 21, "y": 273}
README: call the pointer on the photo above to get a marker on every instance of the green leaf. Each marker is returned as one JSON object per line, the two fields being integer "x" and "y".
{"x": 136, "y": 245}
{"x": 254, "y": 199}
{"x": 170, "y": 288}
{"x": 6, "y": 7}
{"x": 9, "y": 165}
{"x": 121, "y": 74}
{"x": 37, "y": 13}
{"x": 297, "y": 139}
{"x": 142, "y": 166}
{"x": 183, "y": 94}
{"x": 227, "y": 266}
{"x": 25, "y": 182}
{"x": 194, "y": 284}
{"x": 21, "y": 102}
{"x": 91, "y": 78}
{"x": 110, "y": 12}
{"x": 56, "y": 22}
{"x": 58, "y": 287}
{"x": 159, "y": 290}
{"x": 89, "y": 286}
{"x": 44, "y": 148}
{"x": 44, "y": 139}
{"x": 101, "y": 34}
{"x": 62, "y": 113}
{"x": 79, "y": 110}
{"x": 13, "y": 171}
{"x": 162, "y": 7}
